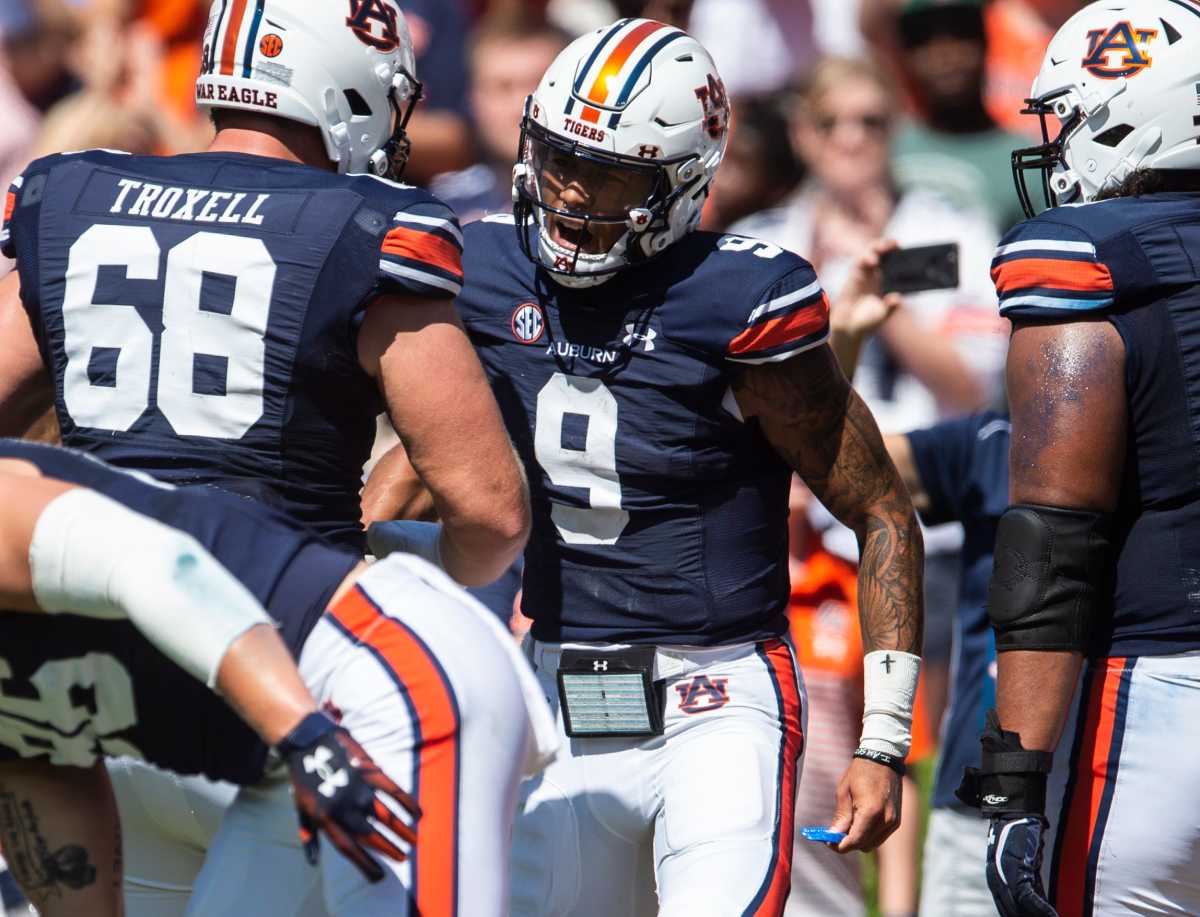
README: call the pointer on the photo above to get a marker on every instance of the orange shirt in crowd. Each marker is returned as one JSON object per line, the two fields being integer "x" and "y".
{"x": 180, "y": 25}
{"x": 1017, "y": 39}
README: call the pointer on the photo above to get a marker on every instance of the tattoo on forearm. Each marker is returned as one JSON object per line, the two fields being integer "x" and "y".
{"x": 821, "y": 427}
{"x": 42, "y": 873}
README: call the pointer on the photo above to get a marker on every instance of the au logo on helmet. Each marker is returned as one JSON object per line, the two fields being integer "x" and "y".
{"x": 374, "y": 22}
{"x": 1121, "y": 39}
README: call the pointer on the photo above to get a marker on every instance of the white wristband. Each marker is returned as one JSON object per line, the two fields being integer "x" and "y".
{"x": 889, "y": 689}
{"x": 91, "y": 556}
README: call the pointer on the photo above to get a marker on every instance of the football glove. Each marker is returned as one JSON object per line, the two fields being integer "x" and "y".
{"x": 341, "y": 793}
{"x": 1014, "y": 867}
{"x": 1010, "y": 789}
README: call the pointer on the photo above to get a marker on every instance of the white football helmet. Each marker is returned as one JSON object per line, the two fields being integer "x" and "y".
{"x": 344, "y": 66}
{"x": 1122, "y": 78}
{"x": 619, "y": 145}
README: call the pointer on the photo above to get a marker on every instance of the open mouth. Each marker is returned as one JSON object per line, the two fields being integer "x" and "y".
{"x": 571, "y": 233}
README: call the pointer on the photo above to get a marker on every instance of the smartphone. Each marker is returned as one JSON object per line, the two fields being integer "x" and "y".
{"x": 926, "y": 267}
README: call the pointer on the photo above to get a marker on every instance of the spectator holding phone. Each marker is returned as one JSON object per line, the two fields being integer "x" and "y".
{"x": 942, "y": 352}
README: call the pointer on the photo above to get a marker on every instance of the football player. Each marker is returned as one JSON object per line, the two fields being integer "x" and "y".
{"x": 239, "y": 317}
{"x": 1095, "y": 566}
{"x": 661, "y": 385}
{"x": 394, "y": 654}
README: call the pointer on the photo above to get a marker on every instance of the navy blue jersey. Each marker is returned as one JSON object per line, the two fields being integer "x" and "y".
{"x": 963, "y": 466}
{"x": 77, "y": 687}
{"x": 1133, "y": 262}
{"x": 659, "y": 515}
{"x": 199, "y": 314}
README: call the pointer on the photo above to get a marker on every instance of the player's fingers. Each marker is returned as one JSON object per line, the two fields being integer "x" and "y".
{"x": 861, "y": 830}
{"x": 353, "y": 852}
{"x": 394, "y": 823}
{"x": 308, "y": 838}
{"x": 892, "y": 301}
{"x": 381, "y": 844}
{"x": 383, "y": 783}
{"x": 843, "y": 812}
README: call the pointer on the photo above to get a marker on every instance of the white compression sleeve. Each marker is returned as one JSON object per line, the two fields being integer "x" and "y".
{"x": 889, "y": 690}
{"x": 91, "y": 556}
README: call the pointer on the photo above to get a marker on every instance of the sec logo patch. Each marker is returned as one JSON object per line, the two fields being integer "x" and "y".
{"x": 528, "y": 323}
{"x": 271, "y": 45}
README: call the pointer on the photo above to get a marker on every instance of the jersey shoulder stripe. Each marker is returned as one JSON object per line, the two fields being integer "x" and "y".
{"x": 421, "y": 249}
{"x": 1045, "y": 268}
{"x": 791, "y": 317}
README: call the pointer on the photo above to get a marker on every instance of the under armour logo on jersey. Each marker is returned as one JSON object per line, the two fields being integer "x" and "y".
{"x": 600, "y": 665}
{"x": 374, "y": 22}
{"x": 701, "y": 694}
{"x": 1121, "y": 39}
{"x": 633, "y": 337}
{"x": 331, "y": 780}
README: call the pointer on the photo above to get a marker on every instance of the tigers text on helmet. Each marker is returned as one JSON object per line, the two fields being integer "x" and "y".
{"x": 1120, "y": 82}
{"x": 344, "y": 66}
{"x": 619, "y": 145}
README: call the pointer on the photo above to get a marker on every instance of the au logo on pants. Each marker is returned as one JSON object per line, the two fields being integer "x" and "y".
{"x": 701, "y": 694}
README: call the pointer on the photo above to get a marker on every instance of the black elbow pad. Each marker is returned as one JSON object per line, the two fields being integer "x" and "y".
{"x": 1051, "y": 578}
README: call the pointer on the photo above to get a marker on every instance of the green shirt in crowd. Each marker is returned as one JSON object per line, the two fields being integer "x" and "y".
{"x": 971, "y": 170}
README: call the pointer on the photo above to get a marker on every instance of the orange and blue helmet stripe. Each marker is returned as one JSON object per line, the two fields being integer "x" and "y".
{"x": 622, "y": 57}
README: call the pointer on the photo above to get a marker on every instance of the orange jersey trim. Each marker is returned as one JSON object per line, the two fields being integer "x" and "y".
{"x": 232, "y": 28}
{"x": 435, "y": 855}
{"x": 1080, "y": 822}
{"x": 424, "y": 247}
{"x": 775, "y": 889}
{"x": 1080, "y": 276}
{"x": 618, "y": 58}
{"x": 776, "y": 332}
{"x": 10, "y": 204}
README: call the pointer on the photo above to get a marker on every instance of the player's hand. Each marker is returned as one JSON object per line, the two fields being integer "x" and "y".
{"x": 341, "y": 793}
{"x": 1014, "y": 866}
{"x": 868, "y": 805}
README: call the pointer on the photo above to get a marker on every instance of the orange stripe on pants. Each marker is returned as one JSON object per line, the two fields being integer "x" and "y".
{"x": 783, "y": 668}
{"x": 1087, "y": 789}
{"x": 435, "y": 856}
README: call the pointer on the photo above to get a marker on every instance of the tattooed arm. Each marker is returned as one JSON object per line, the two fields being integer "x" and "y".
{"x": 61, "y": 836}
{"x": 815, "y": 420}
{"x": 820, "y": 426}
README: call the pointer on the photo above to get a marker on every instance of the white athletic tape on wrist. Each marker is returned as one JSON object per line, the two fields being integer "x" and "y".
{"x": 424, "y": 539}
{"x": 91, "y": 556}
{"x": 889, "y": 689}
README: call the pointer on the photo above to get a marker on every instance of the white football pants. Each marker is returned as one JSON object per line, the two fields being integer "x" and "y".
{"x": 703, "y": 812}
{"x": 437, "y": 693}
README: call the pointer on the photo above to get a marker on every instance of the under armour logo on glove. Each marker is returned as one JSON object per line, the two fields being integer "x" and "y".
{"x": 331, "y": 780}
{"x": 341, "y": 793}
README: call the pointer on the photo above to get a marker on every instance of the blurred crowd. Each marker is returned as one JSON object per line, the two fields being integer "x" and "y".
{"x": 854, "y": 121}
